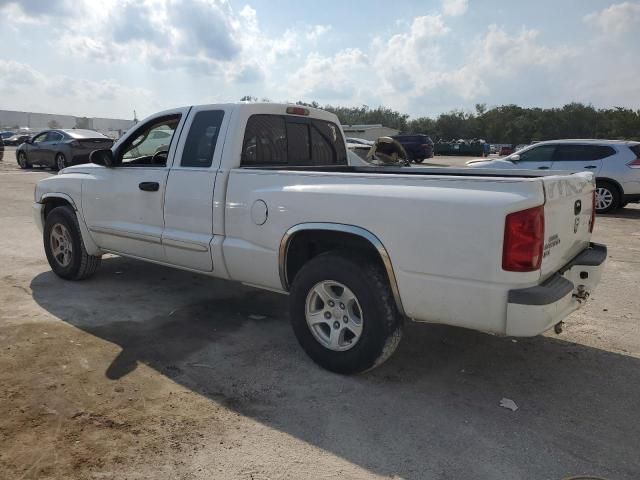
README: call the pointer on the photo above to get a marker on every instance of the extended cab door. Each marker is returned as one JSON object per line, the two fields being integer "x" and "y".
{"x": 188, "y": 207}
{"x": 123, "y": 205}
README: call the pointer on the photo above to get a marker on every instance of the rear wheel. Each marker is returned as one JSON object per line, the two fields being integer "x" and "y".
{"x": 607, "y": 197}
{"x": 64, "y": 247}
{"x": 419, "y": 160}
{"x": 61, "y": 162}
{"x": 343, "y": 313}
{"x": 22, "y": 161}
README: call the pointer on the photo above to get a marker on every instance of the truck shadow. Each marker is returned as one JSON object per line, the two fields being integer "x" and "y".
{"x": 631, "y": 212}
{"x": 432, "y": 411}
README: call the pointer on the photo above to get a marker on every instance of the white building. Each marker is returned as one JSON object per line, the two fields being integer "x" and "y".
{"x": 368, "y": 132}
{"x": 34, "y": 122}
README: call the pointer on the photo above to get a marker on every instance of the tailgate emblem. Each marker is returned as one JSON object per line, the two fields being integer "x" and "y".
{"x": 577, "y": 207}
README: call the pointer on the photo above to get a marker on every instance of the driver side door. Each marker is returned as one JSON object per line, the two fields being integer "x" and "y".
{"x": 35, "y": 150}
{"x": 123, "y": 205}
{"x": 536, "y": 158}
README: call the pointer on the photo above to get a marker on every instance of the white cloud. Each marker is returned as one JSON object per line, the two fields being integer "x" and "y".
{"x": 454, "y": 7}
{"x": 333, "y": 77}
{"x": 52, "y": 93}
{"x": 317, "y": 31}
{"x": 616, "y": 19}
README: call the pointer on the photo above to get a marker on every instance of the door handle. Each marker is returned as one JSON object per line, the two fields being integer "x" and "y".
{"x": 149, "y": 186}
{"x": 543, "y": 168}
{"x": 591, "y": 166}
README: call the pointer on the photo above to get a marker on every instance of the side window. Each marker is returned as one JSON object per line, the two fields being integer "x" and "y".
{"x": 54, "y": 137}
{"x": 265, "y": 141}
{"x": 150, "y": 143}
{"x": 543, "y": 153}
{"x": 605, "y": 151}
{"x": 201, "y": 141}
{"x": 577, "y": 153}
{"x": 40, "y": 138}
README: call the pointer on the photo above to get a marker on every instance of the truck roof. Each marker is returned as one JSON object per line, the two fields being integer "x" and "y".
{"x": 269, "y": 108}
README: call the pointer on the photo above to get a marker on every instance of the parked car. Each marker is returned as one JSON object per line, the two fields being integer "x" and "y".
{"x": 6, "y": 134}
{"x": 418, "y": 147}
{"x": 505, "y": 150}
{"x": 60, "y": 148}
{"x": 279, "y": 208}
{"x": 1, "y": 149}
{"x": 615, "y": 164}
{"x": 17, "y": 139}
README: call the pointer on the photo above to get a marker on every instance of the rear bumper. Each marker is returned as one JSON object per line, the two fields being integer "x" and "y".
{"x": 531, "y": 311}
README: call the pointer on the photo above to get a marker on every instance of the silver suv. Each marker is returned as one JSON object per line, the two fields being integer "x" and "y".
{"x": 615, "y": 163}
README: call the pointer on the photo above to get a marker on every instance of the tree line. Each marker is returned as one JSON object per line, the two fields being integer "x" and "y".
{"x": 503, "y": 124}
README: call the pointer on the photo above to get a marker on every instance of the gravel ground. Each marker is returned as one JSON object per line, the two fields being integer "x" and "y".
{"x": 148, "y": 372}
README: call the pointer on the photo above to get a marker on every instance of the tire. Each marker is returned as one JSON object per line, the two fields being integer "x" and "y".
{"x": 380, "y": 324}
{"x": 64, "y": 247}
{"x": 419, "y": 160}
{"x": 23, "y": 163}
{"x": 60, "y": 162}
{"x": 607, "y": 197}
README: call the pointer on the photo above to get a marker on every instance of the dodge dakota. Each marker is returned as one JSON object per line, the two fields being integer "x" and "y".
{"x": 263, "y": 194}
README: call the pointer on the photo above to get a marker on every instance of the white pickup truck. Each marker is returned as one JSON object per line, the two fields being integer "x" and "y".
{"x": 262, "y": 194}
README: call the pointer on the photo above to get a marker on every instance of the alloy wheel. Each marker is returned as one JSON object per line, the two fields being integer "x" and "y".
{"x": 604, "y": 198}
{"x": 61, "y": 244}
{"x": 334, "y": 315}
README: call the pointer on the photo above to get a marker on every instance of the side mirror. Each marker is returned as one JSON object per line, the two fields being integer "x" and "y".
{"x": 102, "y": 157}
{"x": 515, "y": 157}
{"x": 29, "y": 141}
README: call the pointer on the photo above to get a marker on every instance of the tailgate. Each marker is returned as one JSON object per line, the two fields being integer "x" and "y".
{"x": 567, "y": 214}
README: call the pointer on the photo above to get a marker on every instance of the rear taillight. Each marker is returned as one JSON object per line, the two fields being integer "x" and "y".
{"x": 636, "y": 163}
{"x": 593, "y": 212}
{"x": 523, "y": 240}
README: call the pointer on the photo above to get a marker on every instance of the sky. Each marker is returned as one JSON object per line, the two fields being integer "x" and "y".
{"x": 423, "y": 57}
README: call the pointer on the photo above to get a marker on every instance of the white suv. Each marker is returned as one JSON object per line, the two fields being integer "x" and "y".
{"x": 615, "y": 163}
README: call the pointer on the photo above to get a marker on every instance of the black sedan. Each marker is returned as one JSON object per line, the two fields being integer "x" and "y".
{"x": 17, "y": 139}
{"x": 60, "y": 148}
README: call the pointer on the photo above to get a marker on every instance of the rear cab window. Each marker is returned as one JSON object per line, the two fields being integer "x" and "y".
{"x": 287, "y": 140}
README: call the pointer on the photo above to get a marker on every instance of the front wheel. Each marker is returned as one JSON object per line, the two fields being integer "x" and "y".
{"x": 64, "y": 247}
{"x": 343, "y": 313}
{"x": 607, "y": 197}
{"x": 22, "y": 161}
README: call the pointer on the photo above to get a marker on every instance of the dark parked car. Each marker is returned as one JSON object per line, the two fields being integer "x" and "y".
{"x": 61, "y": 148}
{"x": 506, "y": 150}
{"x": 6, "y": 134}
{"x": 418, "y": 147}
{"x": 1, "y": 149}
{"x": 17, "y": 139}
